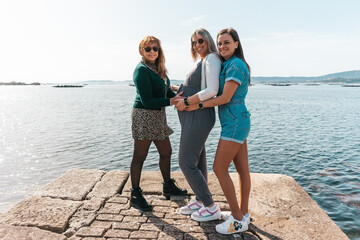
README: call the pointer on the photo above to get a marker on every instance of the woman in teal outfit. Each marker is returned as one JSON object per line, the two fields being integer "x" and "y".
{"x": 235, "y": 127}
{"x": 149, "y": 119}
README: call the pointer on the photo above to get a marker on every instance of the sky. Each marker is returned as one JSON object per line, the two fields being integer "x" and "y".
{"x": 53, "y": 41}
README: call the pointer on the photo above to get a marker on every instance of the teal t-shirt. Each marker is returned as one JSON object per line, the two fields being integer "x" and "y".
{"x": 236, "y": 70}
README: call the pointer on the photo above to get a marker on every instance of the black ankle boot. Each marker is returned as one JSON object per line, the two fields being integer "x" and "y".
{"x": 138, "y": 201}
{"x": 170, "y": 188}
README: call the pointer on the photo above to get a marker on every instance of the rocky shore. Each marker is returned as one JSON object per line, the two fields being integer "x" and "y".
{"x": 85, "y": 204}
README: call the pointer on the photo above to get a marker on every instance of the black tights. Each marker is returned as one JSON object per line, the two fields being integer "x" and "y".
{"x": 141, "y": 149}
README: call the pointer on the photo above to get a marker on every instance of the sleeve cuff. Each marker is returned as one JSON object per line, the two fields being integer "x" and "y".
{"x": 233, "y": 79}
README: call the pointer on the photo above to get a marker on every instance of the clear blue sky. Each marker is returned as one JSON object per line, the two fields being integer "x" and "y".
{"x": 76, "y": 40}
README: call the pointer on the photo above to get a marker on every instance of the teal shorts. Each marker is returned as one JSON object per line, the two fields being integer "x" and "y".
{"x": 235, "y": 122}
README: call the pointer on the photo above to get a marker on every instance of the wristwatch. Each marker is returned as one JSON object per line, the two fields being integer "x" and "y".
{"x": 201, "y": 105}
{"x": 186, "y": 101}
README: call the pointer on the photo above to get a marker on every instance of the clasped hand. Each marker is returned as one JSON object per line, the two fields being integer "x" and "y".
{"x": 178, "y": 96}
{"x": 180, "y": 105}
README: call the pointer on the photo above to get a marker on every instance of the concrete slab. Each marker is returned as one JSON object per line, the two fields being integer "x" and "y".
{"x": 45, "y": 213}
{"x": 72, "y": 185}
{"x": 9, "y": 232}
{"x": 282, "y": 208}
{"x": 110, "y": 184}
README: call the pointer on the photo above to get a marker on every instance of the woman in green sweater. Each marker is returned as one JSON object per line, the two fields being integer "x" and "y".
{"x": 149, "y": 119}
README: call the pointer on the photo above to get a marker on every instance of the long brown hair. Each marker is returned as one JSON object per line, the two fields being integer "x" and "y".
{"x": 238, "y": 51}
{"x": 160, "y": 61}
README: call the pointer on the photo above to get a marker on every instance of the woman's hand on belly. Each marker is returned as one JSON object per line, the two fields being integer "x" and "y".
{"x": 192, "y": 107}
{"x": 180, "y": 105}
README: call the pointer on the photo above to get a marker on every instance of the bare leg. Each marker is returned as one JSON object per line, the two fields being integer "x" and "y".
{"x": 141, "y": 148}
{"x": 164, "y": 149}
{"x": 239, "y": 190}
{"x": 225, "y": 153}
{"x": 241, "y": 163}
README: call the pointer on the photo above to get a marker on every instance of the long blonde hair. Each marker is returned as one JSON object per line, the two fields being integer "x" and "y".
{"x": 207, "y": 37}
{"x": 160, "y": 61}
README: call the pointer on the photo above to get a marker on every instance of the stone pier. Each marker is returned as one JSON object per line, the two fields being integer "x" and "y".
{"x": 84, "y": 204}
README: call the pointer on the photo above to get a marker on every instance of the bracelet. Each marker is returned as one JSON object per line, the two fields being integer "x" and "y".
{"x": 186, "y": 102}
{"x": 201, "y": 105}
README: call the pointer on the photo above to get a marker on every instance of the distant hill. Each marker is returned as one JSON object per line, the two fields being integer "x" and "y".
{"x": 346, "y": 75}
{"x": 340, "y": 77}
{"x": 335, "y": 78}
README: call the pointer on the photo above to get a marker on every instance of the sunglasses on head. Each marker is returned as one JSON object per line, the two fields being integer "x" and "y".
{"x": 200, "y": 41}
{"x": 155, "y": 48}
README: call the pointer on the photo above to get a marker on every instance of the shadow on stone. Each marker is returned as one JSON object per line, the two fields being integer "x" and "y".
{"x": 256, "y": 231}
{"x": 180, "y": 231}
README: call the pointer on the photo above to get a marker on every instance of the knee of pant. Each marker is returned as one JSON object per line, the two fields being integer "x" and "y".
{"x": 185, "y": 166}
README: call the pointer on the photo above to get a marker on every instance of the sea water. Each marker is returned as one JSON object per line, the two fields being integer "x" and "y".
{"x": 311, "y": 133}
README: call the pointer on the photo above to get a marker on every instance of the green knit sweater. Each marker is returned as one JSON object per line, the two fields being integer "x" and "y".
{"x": 151, "y": 90}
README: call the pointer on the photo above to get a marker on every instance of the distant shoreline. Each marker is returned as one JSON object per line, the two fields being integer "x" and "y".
{"x": 348, "y": 78}
{"x": 179, "y": 82}
{"x": 19, "y": 83}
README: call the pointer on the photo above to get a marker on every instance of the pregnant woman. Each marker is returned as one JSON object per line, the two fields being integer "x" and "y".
{"x": 202, "y": 83}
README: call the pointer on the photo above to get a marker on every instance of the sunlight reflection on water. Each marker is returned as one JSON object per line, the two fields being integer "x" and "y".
{"x": 308, "y": 132}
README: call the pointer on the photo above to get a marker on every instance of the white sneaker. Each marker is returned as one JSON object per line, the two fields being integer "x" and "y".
{"x": 226, "y": 214}
{"x": 232, "y": 225}
{"x": 204, "y": 214}
{"x": 191, "y": 207}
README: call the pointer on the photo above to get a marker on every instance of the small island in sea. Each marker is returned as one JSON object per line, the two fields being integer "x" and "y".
{"x": 281, "y": 84}
{"x": 18, "y": 83}
{"x": 351, "y": 85}
{"x": 68, "y": 86}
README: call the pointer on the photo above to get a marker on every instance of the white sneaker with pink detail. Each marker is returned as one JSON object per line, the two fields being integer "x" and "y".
{"x": 191, "y": 207}
{"x": 205, "y": 214}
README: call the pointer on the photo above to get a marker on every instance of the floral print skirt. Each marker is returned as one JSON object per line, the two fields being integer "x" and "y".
{"x": 149, "y": 124}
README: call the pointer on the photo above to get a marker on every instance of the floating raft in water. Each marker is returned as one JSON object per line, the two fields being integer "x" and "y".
{"x": 67, "y": 86}
{"x": 351, "y": 85}
{"x": 281, "y": 84}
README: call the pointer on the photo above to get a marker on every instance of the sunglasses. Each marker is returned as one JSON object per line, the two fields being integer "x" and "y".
{"x": 155, "y": 48}
{"x": 200, "y": 41}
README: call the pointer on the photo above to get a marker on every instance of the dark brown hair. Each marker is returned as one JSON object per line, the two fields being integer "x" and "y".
{"x": 238, "y": 51}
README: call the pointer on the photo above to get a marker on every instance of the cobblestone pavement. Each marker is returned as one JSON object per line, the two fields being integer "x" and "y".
{"x": 91, "y": 204}
{"x": 117, "y": 220}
